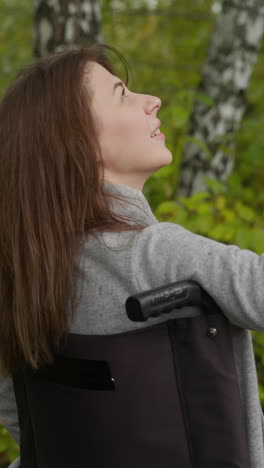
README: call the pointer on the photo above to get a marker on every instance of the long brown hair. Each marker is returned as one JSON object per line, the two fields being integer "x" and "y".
{"x": 51, "y": 198}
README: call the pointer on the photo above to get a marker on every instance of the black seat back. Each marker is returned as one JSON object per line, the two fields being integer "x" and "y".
{"x": 158, "y": 397}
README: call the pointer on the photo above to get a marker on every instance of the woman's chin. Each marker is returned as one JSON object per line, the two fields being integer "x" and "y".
{"x": 166, "y": 156}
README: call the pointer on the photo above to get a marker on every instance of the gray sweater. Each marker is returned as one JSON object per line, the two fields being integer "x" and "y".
{"x": 130, "y": 262}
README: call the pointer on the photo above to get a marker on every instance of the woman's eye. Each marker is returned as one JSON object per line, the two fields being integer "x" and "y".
{"x": 123, "y": 93}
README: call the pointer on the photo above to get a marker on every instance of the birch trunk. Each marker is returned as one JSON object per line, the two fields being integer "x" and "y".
{"x": 225, "y": 78}
{"x": 60, "y": 24}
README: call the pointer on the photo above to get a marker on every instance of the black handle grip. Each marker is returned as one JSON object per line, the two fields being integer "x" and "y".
{"x": 168, "y": 297}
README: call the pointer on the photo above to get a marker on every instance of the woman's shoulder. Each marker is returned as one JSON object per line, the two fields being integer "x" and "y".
{"x": 167, "y": 233}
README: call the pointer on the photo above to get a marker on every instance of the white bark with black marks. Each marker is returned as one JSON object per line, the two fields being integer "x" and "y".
{"x": 225, "y": 78}
{"x": 61, "y": 24}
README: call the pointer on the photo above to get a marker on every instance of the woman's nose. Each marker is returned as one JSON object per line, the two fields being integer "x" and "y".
{"x": 152, "y": 103}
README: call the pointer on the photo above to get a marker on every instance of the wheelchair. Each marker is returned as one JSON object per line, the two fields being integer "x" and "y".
{"x": 161, "y": 396}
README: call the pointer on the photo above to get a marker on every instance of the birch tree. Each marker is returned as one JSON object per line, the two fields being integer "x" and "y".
{"x": 60, "y": 24}
{"x": 225, "y": 77}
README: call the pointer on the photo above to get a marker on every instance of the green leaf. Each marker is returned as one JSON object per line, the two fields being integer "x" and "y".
{"x": 194, "y": 141}
{"x": 257, "y": 242}
{"x": 245, "y": 212}
{"x": 243, "y": 237}
{"x": 166, "y": 210}
{"x": 220, "y": 202}
{"x": 207, "y": 100}
{"x": 222, "y": 233}
{"x": 214, "y": 185}
{"x": 3, "y": 444}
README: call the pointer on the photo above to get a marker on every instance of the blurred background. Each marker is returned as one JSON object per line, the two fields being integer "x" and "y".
{"x": 205, "y": 60}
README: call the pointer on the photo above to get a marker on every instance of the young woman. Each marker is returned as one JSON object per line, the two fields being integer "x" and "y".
{"x": 76, "y": 148}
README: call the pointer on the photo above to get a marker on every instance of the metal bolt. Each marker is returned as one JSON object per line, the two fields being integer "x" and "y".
{"x": 212, "y": 332}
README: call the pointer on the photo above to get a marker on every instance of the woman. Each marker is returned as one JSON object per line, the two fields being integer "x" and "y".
{"x": 74, "y": 143}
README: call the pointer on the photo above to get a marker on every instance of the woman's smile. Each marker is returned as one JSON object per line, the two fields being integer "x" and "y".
{"x": 160, "y": 136}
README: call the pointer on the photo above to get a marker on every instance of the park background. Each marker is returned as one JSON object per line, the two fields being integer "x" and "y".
{"x": 166, "y": 44}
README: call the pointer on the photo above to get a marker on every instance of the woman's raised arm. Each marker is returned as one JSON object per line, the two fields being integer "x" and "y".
{"x": 166, "y": 252}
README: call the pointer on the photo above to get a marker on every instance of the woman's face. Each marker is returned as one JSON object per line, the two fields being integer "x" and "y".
{"x": 125, "y": 124}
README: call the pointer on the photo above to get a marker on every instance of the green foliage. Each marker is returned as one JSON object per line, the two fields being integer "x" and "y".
{"x": 15, "y": 38}
{"x": 258, "y": 340}
{"x": 9, "y": 450}
{"x": 218, "y": 214}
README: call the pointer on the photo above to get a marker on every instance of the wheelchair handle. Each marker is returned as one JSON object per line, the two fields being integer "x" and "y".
{"x": 171, "y": 296}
